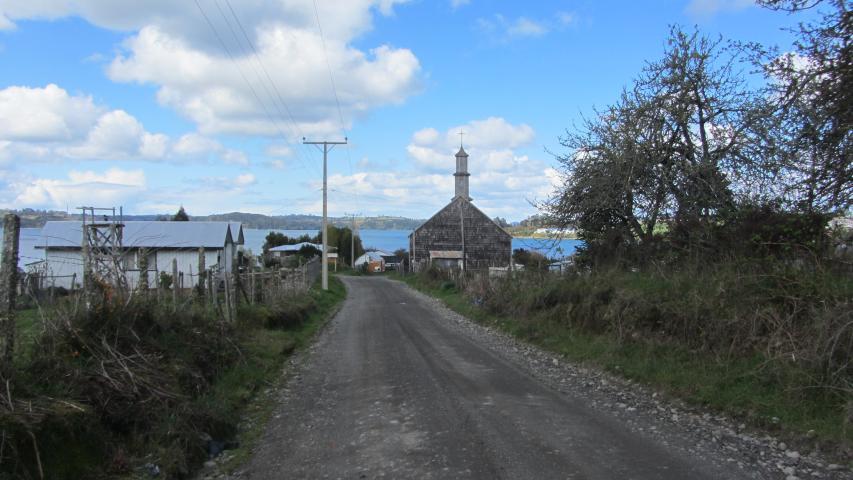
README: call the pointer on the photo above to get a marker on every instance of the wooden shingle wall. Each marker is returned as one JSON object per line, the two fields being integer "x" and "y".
{"x": 486, "y": 244}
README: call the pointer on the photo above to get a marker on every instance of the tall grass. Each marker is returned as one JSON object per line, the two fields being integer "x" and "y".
{"x": 100, "y": 394}
{"x": 774, "y": 341}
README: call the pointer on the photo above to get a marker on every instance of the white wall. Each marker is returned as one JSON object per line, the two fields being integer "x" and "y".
{"x": 63, "y": 264}
{"x": 187, "y": 263}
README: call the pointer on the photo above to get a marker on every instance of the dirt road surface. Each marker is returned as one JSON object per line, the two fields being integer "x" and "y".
{"x": 395, "y": 388}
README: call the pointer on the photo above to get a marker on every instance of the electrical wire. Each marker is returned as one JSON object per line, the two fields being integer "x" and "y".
{"x": 239, "y": 70}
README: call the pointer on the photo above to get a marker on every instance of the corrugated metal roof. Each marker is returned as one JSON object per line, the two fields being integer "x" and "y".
{"x": 145, "y": 234}
{"x": 295, "y": 247}
{"x": 370, "y": 257}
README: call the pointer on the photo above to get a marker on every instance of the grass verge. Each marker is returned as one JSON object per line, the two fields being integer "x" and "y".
{"x": 247, "y": 390}
{"x": 775, "y": 395}
{"x": 130, "y": 389}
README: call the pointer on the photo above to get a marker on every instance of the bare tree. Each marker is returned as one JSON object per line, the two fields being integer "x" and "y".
{"x": 813, "y": 90}
{"x": 682, "y": 142}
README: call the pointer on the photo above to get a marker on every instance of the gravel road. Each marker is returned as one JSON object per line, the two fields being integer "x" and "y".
{"x": 398, "y": 386}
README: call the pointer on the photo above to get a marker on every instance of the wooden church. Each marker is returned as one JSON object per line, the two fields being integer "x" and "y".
{"x": 460, "y": 235}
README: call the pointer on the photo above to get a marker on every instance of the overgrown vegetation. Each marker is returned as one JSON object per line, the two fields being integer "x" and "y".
{"x": 703, "y": 202}
{"x": 142, "y": 386}
{"x": 340, "y": 240}
{"x": 772, "y": 348}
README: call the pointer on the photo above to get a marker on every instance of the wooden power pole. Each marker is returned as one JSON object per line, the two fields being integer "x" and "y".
{"x": 352, "y": 239}
{"x": 327, "y": 147}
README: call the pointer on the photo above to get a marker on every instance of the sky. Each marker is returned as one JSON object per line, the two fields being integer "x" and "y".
{"x": 204, "y": 103}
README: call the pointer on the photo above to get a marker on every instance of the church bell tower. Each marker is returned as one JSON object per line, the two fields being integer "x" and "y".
{"x": 461, "y": 175}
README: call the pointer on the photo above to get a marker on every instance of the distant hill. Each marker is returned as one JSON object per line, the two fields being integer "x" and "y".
{"x": 37, "y": 218}
{"x": 311, "y": 222}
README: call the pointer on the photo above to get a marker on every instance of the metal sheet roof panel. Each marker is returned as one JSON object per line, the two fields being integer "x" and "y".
{"x": 69, "y": 234}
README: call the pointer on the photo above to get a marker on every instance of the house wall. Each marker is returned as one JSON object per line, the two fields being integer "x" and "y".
{"x": 62, "y": 264}
{"x": 486, "y": 244}
{"x": 187, "y": 263}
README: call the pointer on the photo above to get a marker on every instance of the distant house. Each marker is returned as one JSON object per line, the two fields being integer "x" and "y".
{"x": 287, "y": 250}
{"x": 374, "y": 261}
{"x": 161, "y": 241}
{"x": 392, "y": 262}
{"x": 460, "y": 235}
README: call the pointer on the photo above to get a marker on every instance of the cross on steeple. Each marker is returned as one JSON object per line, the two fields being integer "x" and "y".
{"x": 461, "y": 134}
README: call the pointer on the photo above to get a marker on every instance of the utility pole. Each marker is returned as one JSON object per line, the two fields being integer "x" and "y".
{"x": 327, "y": 147}
{"x": 352, "y": 239}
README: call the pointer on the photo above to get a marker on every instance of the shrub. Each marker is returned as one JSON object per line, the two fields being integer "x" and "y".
{"x": 122, "y": 371}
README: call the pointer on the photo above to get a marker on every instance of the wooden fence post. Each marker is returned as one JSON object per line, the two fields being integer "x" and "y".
{"x": 175, "y": 283}
{"x": 8, "y": 291}
{"x": 212, "y": 285}
{"x": 201, "y": 273}
{"x": 142, "y": 284}
{"x": 227, "y": 312}
{"x": 238, "y": 282}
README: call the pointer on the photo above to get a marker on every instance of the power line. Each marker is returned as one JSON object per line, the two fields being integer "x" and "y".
{"x": 259, "y": 61}
{"x": 239, "y": 70}
{"x": 334, "y": 90}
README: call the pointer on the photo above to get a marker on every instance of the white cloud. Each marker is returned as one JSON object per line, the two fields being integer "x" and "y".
{"x": 276, "y": 164}
{"x": 341, "y": 20}
{"x": 502, "y": 179}
{"x": 115, "y": 136}
{"x": 525, "y": 27}
{"x": 49, "y": 125}
{"x": 235, "y": 157}
{"x": 709, "y": 8}
{"x": 425, "y": 136}
{"x": 278, "y": 150}
{"x": 244, "y": 180}
{"x": 212, "y": 91}
{"x": 502, "y": 29}
{"x": 113, "y": 187}
{"x": 174, "y": 49}
{"x": 454, "y": 4}
{"x": 193, "y": 144}
{"x": 45, "y": 114}
{"x": 5, "y": 23}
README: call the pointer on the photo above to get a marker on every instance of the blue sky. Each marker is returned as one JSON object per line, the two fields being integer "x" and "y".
{"x": 147, "y": 106}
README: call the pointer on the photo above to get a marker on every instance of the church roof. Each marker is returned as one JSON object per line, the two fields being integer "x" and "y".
{"x": 461, "y": 152}
{"x": 467, "y": 203}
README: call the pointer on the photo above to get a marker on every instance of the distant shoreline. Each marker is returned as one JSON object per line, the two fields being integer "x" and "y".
{"x": 541, "y": 236}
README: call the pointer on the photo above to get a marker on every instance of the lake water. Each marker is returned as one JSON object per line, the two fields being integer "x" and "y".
{"x": 387, "y": 240}
{"x": 390, "y": 240}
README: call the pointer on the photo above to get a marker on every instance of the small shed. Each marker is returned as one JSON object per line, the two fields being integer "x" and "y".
{"x": 374, "y": 261}
{"x": 392, "y": 262}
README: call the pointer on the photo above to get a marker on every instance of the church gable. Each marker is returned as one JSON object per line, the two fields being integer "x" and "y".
{"x": 485, "y": 242}
{"x": 460, "y": 234}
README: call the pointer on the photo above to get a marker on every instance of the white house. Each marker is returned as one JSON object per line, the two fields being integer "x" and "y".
{"x": 374, "y": 260}
{"x": 287, "y": 250}
{"x": 162, "y": 242}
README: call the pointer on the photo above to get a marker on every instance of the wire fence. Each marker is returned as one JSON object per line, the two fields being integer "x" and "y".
{"x": 222, "y": 289}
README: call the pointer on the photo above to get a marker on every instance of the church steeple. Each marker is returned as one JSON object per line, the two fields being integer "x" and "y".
{"x": 461, "y": 175}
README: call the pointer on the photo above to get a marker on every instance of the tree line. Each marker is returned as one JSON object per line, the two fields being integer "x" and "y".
{"x": 340, "y": 240}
